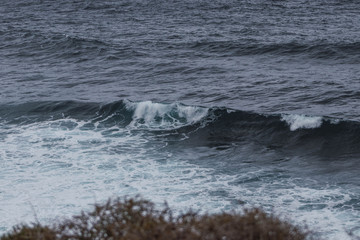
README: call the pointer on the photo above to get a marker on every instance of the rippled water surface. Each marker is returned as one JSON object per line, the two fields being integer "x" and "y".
{"x": 211, "y": 105}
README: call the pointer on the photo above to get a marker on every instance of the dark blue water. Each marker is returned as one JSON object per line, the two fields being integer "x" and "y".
{"x": 211, "y": 105}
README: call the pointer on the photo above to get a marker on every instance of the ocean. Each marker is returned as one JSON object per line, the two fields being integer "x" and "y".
{"x": 209, "y": 105}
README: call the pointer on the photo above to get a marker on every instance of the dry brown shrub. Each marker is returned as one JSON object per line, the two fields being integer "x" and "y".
{"x": 34, "y": 231}
{"x": 135, "y": 219}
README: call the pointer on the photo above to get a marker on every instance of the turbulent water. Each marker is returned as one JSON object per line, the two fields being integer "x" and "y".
{"x": 212, "y": 105}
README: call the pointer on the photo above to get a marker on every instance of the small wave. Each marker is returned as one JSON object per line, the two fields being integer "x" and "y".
{"x": 54, "y": 45}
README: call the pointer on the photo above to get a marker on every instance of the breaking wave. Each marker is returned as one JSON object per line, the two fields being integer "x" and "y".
{"x": 301, "y": 121}
{"x": 202, "y": 126}
{"x": 160, "y": 115}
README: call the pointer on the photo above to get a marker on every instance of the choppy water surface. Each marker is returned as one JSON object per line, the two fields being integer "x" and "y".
{"x": 211, "y": 105}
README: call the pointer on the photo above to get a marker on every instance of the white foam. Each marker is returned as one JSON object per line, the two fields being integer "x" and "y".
{"x": 51, "y": 171}
{"x": 297, "y": 121}
{"x": 317, "y": 208}
{"x": 158, "y": 115}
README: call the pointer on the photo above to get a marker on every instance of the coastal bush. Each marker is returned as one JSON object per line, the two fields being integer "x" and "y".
{"x": 136, "y": 219}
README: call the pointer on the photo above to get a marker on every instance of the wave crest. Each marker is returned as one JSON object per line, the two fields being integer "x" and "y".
{"x": 158, "y": 115}
{"x": 296, "y": 121}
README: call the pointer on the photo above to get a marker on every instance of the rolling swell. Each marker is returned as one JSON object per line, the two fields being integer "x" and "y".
{"x": 212, "y": 127}
{"x": 316, "y": 50}
{"x": 52, "y": 46}
{"x": 291, "y": 134}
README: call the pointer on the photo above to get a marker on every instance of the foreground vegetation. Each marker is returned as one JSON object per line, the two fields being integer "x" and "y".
{"x": 135, "y": 219}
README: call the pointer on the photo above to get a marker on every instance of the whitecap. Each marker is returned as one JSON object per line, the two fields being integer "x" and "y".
{"x": 298, "y": 121}
{"x": 158, "y": 115}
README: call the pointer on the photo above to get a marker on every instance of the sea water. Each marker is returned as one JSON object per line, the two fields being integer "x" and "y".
{"x": 209, "y": 105}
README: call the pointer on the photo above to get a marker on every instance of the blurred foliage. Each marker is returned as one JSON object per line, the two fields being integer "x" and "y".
{"x": 135, "y": 219}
